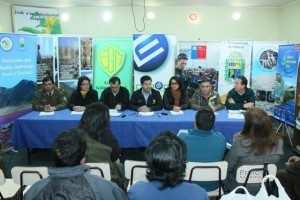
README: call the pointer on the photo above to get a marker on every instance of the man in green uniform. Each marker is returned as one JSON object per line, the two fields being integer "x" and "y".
{"x": 49, "y": 98}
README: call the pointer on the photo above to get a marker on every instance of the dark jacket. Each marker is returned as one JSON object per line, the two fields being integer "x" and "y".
{"x": 154, "y": 101}
{"x": 240, "y": 100}
{"x": 97, "y": 152}
{"x": 111, "y": 100}
{"x": 71, "y": 183}
{"x": 169, "y": 100}
{"x": 58, "y": 100}
{"x": 77, "y": 99}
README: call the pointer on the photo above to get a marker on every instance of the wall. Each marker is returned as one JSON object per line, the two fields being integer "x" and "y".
{"x": 6, "y": 17}
{"x": 289, "y": 24}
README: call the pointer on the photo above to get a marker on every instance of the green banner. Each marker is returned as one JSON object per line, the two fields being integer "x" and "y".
{"x": 112, "y": 57}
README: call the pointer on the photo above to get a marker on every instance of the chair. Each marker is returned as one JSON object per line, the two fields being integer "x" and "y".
{"x": 254, "y": 173}
{"x": 25, "y": 176}
{"x": 100, "y": 169}
{"x": 135, "y": 171}
{"x": 213, "y": 171}
{"x": 8, "y": 188}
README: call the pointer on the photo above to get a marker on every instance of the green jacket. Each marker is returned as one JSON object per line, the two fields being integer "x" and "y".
{"x": 97, "y": 152}
{"x": 199, "y": 101}
{"x": 41, "y": 98}
{"x": 239, "y": 100}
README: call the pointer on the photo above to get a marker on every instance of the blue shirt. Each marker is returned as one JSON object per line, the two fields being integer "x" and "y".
{"x": 204, "y": 146}
{"x": 150, "y": 190}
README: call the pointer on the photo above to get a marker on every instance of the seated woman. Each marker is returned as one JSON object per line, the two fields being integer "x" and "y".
{"x": 102, "y": 145}
{"x": 166, "y": 157}
{"x": 256, "y": 144}
{"x": 176, "y": 98}
{"x": 83, "y": 96}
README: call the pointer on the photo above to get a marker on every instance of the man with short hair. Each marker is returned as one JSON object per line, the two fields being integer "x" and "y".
{"x": 203, "y": 144}
{"x": 146, "y": 98}
{"x": 181, "y": 62}
{"x": 70, "y": 178}
{"x": 240, "y": 97}
{"x": 205, "y": 96}
{"x": 115, "y": 96}
{"x": 49, "y": 98}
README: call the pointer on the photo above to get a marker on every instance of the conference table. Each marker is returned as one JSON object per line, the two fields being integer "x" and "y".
{"x": 130, "y": 129}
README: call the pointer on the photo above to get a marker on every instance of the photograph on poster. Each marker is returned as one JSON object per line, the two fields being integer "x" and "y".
{"x": 45, "y": 58}
{"x": 86, "y": 53}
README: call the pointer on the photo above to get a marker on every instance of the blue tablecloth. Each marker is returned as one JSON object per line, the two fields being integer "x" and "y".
{"x": 35, "y": 131}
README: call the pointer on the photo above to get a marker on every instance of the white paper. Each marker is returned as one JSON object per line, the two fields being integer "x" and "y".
{"x": 183, "y": 131}
{"x": 228, "y": 145}
{"x": 234, "y": 111}
{"x": 76, "y": 112}
{"x": 113, "y": 111}
{"x": 46, "y": 113}
{"x": 235, "y": 116}
{"x": 146, "y": 113}
{"x": 177, "y": 113}
{"x": 113, "y": 114}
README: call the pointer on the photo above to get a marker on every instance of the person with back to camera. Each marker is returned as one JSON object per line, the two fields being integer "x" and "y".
{"x": 175, "y": 97}
{"x": 49, "y": 98}
{"x": 166, "y": 157}
{"x": 240, "y": 97}
{"x": 83, "y": 96}
{"x": 203, "y": 144}
{"x": 115, "y": 96}
{"x": 102, "y": 145}
{"x": 206, "y": 96}
{"x": 70, "y": 178}
{"x": 146, "y": 98}
{"x": 256, "y": 144}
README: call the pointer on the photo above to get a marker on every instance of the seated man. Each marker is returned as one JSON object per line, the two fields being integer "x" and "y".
{"x": 204, "y": 145}
{"x": 146, "y": 98}
{"x": 205, "y": 96}
{"x": 49, "y": 98}
{"x": 70, "y": 179}
{"x": 115, "y": 96}
{"x": 290, "y": 178}
{"x": 240, "y": 97}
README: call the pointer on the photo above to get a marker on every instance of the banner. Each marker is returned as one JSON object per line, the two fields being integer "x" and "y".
{"x": 286, "y": 83}
{"x": 154, "y": 56}
{"x": 203, "y": 63}
{"x": 36, "y": 20}
{"x": 45, "y": 57}
{"x": 112, "y": 57}
{"x": 18, "y": 57}
{"x": 264, "y": 67}
{"x": 235, "y": 60}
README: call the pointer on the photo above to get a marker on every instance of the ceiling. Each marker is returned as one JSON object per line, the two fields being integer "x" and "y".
{"x": 91, "y": 3}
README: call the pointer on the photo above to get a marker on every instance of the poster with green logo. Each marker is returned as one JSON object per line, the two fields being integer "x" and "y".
{"x": 112, "y": 57}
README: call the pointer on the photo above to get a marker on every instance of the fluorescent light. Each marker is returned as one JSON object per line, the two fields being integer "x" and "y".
{"x": 151, "y": 15}
{"x": 106, "y": 16}
{"x": 236, "y": 16}
{"x": 65, "y": 17}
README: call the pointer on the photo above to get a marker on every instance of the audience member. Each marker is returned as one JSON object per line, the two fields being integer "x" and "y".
{"x": 205, "y": 96}
{"x": 83, "y": 96}
{"x": 102, "y": 145}
{"x": 115, "y": 96}
{"x": 176, "y": 98}
{"x": 240, "y": 97}
{"x": 69, "y": 179}
{"x": 203, "y": 144}
{"x": 49, "y": 98}
{"x": 146, "y": 98}
{"x": 256, "y": 144}
{"x": 166, "y": 157}
{"x": 290, "y": 178}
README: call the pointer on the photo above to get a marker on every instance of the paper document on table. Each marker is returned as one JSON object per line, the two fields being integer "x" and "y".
{"x": 46, "y": 113}
{"x": 146, "y": 113}
{"x": 234, "y": 111}
{"x": 114, "y": 113}
{"x": 177, "y": 113}
{"x": 76, "y": 112}
{"x": 235, "y": 115}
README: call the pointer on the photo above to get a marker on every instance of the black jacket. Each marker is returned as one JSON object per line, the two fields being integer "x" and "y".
{"x": 111, "y": 100}
{"x": 77, "y": 99}
{"x": 154, "y": 101}
{"x": 169, "y": 100}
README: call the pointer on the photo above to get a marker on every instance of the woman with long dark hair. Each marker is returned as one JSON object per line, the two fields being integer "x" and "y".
{"x": 256, "y": 144}
{"x": 83, "y": 96}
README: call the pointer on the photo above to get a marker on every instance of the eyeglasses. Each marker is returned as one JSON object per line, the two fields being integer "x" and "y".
{"x": 85, "y": 84}
{"x": 174, "y": 83}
